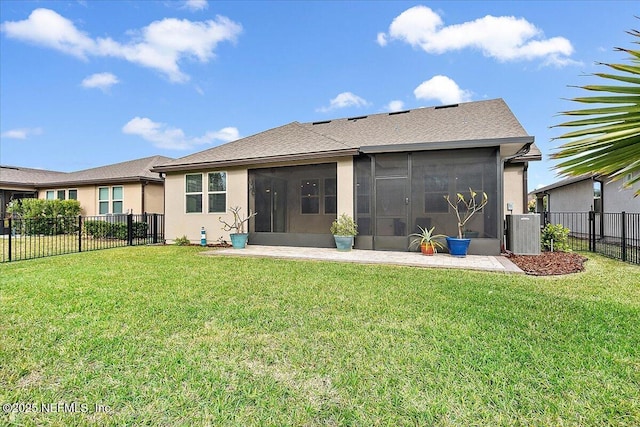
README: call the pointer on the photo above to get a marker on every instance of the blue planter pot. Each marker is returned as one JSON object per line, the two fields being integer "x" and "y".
{"x": 239, "y": 240}
{"x": 458, "y": 247}
{"x": 343, "y": 243}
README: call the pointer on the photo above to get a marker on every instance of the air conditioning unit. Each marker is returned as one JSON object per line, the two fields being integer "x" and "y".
{"x": 523, "y": 234}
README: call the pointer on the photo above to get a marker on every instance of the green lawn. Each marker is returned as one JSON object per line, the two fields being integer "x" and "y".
{"x": 164, "y": 336}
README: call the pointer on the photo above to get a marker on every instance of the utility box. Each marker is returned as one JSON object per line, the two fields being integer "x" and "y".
{"x": 523, "y": 234}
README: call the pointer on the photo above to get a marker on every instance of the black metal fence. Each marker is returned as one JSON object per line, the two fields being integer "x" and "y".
{"x": 41, "y": 237}
{"x": 616, "y": 235}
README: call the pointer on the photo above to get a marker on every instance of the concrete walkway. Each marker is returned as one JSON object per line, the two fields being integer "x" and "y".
{"x": 413, "y": 259}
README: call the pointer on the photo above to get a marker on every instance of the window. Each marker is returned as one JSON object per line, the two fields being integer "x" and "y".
{"x": 193, "y": 193}
{"x": 217, "y": 190}
{"x": 50, "y": 195}
{"x": 62, "y": 194}
{"x": 330, "y": 196}
{"x": 310, "y": 196}
{"x": 116, "y": 200}
{"x": 73, "y": 194}
{"x": 103, "y": 200}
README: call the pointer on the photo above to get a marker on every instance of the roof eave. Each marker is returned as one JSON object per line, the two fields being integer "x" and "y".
{"x": 447, "y": 145}
{"x": 254, "y": 161}
{"x": 97, "y": 181}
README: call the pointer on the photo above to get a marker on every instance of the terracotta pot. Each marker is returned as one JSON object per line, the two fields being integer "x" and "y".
{"x": 427, "y": 249}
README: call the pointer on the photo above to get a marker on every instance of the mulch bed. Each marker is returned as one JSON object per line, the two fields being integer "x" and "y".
{"x": 549, "y": 263}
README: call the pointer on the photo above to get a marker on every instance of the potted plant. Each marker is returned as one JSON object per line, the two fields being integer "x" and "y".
{"x": 464, "y": 210}
{"x": 344, "y": 228}
{"x": 238, "y": 236}
{"x": 426, "y": 240}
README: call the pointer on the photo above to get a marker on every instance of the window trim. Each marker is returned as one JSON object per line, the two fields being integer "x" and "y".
{"x": 101, "y": 200}
{"x": 194, "y": 193}
{"x": 53, "y": 195}
{"x": 114, "y": 200}
{"x": 209, "y": 192}
{"x": 69, "y": 193}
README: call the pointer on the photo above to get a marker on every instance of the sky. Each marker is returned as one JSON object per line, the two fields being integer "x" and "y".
{"x": 90, "y": 83}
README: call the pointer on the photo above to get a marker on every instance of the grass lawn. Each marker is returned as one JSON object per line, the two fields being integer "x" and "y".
{"x": 163, "y": 336}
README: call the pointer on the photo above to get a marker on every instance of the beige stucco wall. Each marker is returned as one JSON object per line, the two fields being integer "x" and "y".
{"x": 178, "y": 223}
{"x": 345, "y": 185}
{"x": 513, "y": 189}
{"x": 132, "y": 197}
{"x": 154, "y": 198}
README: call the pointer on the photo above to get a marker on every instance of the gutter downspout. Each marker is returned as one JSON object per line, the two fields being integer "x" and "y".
{"x": 144, "y": 184}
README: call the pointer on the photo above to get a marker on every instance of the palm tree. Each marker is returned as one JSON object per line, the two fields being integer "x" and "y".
{"x": 608, "y": 142}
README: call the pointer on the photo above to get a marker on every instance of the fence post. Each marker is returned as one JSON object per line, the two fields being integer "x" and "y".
{"x": 130, "y": 229}
{"x": 154, "y": 228}
{"x": 10, "y": 236}
{"x": 592, "y": 231}
{"x": 624, "y": 236}
{"x": 79, "y": 233}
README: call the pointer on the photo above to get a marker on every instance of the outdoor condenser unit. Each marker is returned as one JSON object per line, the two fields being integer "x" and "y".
{"x": 523, "y": 234}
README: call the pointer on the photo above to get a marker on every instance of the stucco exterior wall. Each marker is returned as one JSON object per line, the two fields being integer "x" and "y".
{"x": 178, "y": 223}
{"x": 513, "y": 189}
{"x": 154, "y": 198}
{"x": 576, "y": 197}
{"x": 616, "y": 198}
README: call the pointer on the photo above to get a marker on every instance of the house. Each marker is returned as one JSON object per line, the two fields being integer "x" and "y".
{"x": 586, "y": 193}
{"x": 118, "y": 188}
{"x": 390, "y": 171}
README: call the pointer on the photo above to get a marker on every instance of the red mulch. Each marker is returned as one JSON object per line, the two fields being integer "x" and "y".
{"x": 549, "y": 263}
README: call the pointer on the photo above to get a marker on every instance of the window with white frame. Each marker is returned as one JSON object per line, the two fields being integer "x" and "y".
{"x": 217, "y": 192}
{"x": 193, "y": 193}
{"x": 62, "y": 194}
{"x": 103, "y": 200}
{"x": 117, "y": 196}
{"x": 110, "y": 200}
{"x": 50, "y": 195}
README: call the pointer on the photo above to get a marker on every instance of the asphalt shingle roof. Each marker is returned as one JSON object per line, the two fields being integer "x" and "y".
{"x": 133, "y": 170}
{"x": 471, "y": 121}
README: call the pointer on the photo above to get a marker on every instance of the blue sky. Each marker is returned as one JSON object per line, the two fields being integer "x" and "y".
{"x": 89, "y": 83}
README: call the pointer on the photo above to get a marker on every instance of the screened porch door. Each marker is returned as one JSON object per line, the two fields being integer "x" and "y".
{"x": 392, "y": 202}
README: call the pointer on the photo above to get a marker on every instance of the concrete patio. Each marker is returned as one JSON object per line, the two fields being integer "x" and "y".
{"x": 412, "y": 259}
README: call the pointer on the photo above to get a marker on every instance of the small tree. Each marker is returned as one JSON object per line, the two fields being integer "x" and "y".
{"x": 471, "y": 207}
{"x": 238, "y": 223}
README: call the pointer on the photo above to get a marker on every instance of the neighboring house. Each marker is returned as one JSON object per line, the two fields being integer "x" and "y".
{"x": 588, "y": 193}
{"x": 19, "y": 183}
{"x": 390, "y": 171}
{"x": 119, "y": 188}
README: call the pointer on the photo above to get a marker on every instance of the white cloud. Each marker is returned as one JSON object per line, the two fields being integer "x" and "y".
{"x": 505, "y": 38}
{"x": 443, "y": 89}
{"x": 22, "y": 133}
{"x": 196, "y": 5}
{"x": 395, "y": 105}
{"x": 161, "y": 45}
{"x": 102, "y": 81}
{"x": 163, "y": 136}
{"x": 344, "y": 100}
